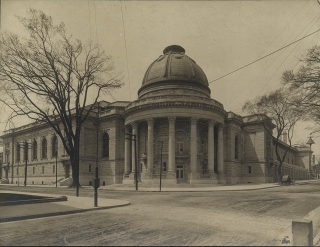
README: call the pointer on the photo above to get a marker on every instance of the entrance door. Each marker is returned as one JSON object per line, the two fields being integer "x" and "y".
{"x": 179, "y": 173}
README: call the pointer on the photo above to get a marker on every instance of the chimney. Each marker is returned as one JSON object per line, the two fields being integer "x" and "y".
{"x": 284, "y": 136}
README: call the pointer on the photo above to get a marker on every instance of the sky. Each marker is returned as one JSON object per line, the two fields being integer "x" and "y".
{"x": 221, "y": 36}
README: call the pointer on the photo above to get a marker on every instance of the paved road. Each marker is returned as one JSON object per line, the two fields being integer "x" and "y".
{"x": 172, "y": 218}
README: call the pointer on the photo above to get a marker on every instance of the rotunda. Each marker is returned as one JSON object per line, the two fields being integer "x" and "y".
{"x": 177, "y": 125}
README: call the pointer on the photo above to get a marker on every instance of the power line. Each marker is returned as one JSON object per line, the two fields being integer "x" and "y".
{"x": 279, "y": 54}
{"x": 95, "y": 17}
{"x": 281, "y": 32}
{"x": 125, "y": 43}
{"x": 288, "y": 54}
{"x": 265, "y": 56}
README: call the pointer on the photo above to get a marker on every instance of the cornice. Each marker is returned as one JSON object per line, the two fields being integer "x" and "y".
{"x": 170, "y": 104}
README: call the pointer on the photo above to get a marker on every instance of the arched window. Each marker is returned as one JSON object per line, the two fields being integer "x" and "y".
{"x": 236, "y": 147}
{"x": 34, "y": 150}
{"x": 54, "y": 146}
{"x": 18, "y": 152}
{"x": 105, "y": 141}
{"x": 44, "y": 148}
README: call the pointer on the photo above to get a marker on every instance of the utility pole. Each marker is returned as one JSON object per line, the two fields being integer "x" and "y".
{"x": 26, "y": 157}
{"x": 97, "y": 180}
{"x": 135, "y": 161}
{"x": 161, "y": 164}
{"x": 56, "y": 169}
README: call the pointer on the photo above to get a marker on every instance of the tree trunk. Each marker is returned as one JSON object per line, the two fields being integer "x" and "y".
{"x": 280, "y": 174}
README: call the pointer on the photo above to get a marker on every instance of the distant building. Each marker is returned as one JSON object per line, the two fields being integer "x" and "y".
{"x": 179, "y": 127}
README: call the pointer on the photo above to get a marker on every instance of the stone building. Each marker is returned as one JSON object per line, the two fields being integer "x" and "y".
{"x": 178, "y": 127}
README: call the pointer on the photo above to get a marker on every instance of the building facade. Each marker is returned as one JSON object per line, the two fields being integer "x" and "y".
{"x": 174, "y": 126}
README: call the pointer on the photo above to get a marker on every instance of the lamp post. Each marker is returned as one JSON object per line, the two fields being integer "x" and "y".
{"x": 310, "y": 142}
{"x": 134, "y": 138}
{"x": 56, "y": 169}
{"x": 161, "y": 164}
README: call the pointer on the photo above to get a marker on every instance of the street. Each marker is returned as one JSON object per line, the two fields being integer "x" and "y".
{"x": 253, "y": 217}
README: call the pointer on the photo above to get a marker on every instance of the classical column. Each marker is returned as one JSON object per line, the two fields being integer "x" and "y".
{"x": 49, "y": 146}
{"x": 193, "y": 149}
{"x": 127, "y": 153}
{"x": 211, "y": 146}
{"x": 220, "y": 151}
{"x": 29, "y": 149}
{"x": 39, "y": 148}
{"x": 171, "y": 148}
{"x": 134, "y": 151}
{"x": 150, "y": 158}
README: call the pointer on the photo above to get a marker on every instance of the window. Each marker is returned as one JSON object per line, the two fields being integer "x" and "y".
{"x": 42, "y": 169}
{"x": 180, "y": 146}
{"x": 34, "y": 150}
{"x": 164, "y": 166}
{"x": 17, "y": 171}
{"x": 53, "y": 169}
{"x": 44, "y": 148}
{"x": 249, "y": 169}
{"x": 18, "y": 152}
{"x": 89, "y": 168}
{"x": 33, "y": 170}
{"x": 105, "y": 141}
{"x": 54, "y": 151}
{"x": 236, "y": 147}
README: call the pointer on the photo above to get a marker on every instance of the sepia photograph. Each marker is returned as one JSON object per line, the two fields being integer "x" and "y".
{"x": 160, "y": 123}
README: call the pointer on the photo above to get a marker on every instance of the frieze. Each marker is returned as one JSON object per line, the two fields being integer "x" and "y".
{"x": 158, "y": 105}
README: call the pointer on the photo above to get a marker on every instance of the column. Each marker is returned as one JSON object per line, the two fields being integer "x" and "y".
{"x": 150, "y": 157}
{"x": 193, "y": 149}
{"x": 134, "y": 144}
{"x": 172, "y": 148}
{"x": 49, "y": 146}
{"x": 29, "y": 149}
{"x": 211, "y": 147}
{"x": 39, "y": 145}
{"x": 127, "y": 153}
{"x": 220, "y": 151}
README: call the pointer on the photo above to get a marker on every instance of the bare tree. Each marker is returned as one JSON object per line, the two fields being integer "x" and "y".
{"x": 278, "y": 107}
{"x": 306, "y": 82}
{"x": 47, "y": 76}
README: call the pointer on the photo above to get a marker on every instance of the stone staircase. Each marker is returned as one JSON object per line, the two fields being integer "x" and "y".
{"x": 54, "y": 182}
{"x": 65, "y": 182}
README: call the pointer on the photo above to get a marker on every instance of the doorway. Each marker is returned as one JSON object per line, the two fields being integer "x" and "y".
{"x": 179, "y": 173}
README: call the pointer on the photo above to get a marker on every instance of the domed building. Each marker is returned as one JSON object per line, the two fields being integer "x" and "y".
{"x": 174, "y": 129}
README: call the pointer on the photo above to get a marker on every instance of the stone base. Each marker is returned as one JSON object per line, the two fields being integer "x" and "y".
{"x": 128, "y": 181}
{"x": 171, "y": 175}
{"x": 204, "y": 181}
{"x": 146, "y": 175}
{"x": 169, "y": 181}
{"x": 221, "y": 178}
{"x": 149, "y": 181}
{"x": 193, "y": 176}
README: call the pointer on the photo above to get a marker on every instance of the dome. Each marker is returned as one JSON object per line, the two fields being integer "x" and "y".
{"x": 174, "y": 65}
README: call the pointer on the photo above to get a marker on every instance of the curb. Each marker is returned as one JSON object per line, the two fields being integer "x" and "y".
{"x": 27, "y": 217}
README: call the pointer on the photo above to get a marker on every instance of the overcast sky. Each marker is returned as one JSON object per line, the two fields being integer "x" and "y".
{"x": 221, "y": 36}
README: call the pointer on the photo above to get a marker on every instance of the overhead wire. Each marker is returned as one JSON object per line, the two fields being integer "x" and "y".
{"x": 288, "y": 54}
{"x": 253, "y": 81}
{"x": 266, "y": 55}
{"x": 125, "y": 43}
{"x": 281, "y": 52}
{"x": 281, "y": 32}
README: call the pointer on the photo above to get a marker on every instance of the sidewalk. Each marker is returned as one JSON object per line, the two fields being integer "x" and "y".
{"x": 38, "y": 210}
{"x": 194, "y": 187}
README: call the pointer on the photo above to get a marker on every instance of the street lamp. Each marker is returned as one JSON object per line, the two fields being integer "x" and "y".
{"x": 161, "y": 164}
{"x": 310, "y": 142}
{"x": 56, "y": 169}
